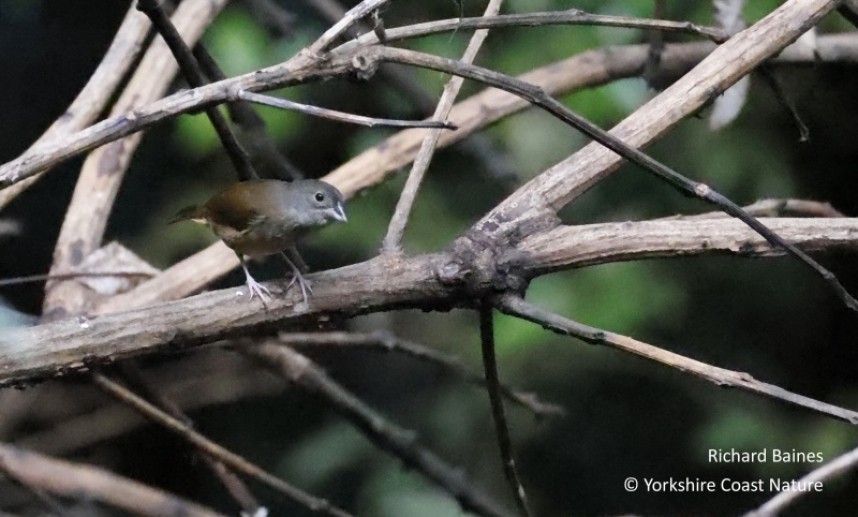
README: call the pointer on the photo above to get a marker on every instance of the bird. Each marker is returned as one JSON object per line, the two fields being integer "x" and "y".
{"x": 262, "y": 217}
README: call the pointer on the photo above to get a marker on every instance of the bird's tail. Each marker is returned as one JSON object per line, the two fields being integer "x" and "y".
{"x": 193, "y": 213}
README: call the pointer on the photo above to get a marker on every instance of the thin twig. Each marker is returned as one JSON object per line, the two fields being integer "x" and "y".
{"x": 487, "y": 340}
{"x": 354, "y": 15}
{"x": 87, "y": 427}
{"x": 240, "y": 493}
{"x": 402, "y": 443}
{"x": 781, "y": 96}
{"x": 830, "y": 470}
{"x": 340, "y": 116}
{"x": 253, "y": 136}
{"x": 211, "y": 448}
{"x": 387, "y": 342}
{"x": 68, "y": 276}
{"x": 90, "y": 483}
{"x": 692, "y": 188}
{"x": 772, "y": 207}
{"x": 516, "y": 306}
{"x": 481, "y": 147}
{"x": 195, "y": 77}
{"x": 570, "y": 17}
{"x": 396, "y": 229}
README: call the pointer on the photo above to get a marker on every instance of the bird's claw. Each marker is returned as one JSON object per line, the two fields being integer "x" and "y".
{"x": 257, "y": 289}
{"x": 302, "y": 282}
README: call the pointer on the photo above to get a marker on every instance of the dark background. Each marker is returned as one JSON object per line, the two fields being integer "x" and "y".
{"x": 626, "y": 417}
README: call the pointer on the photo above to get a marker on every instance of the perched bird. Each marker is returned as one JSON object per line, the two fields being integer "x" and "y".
{"x": 263, "y": 217}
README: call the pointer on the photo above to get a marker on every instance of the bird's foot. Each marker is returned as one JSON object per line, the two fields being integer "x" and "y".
{"x": 257, "y": 289}
{"x": 298, "y": 278}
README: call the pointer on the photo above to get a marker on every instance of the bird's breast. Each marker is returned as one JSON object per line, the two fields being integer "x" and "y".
{"x": 258, "y": 240}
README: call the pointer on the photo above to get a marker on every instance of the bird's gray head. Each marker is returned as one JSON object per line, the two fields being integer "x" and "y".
{"x": 318, "y": 202}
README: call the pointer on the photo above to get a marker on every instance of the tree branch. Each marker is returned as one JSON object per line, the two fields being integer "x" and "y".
{"x": 580, "y": 246}
{"x": 91, "y": 483}
{"x": 830, "y": 470}
{"x": 387, "y": 342}
{"x": 425, "y": 281}
{"x": 569, "y": 17}
{"x": 104, "y": 169}
{"x": 516, "y": 306}
{"x": 487, "y": 342}
{"x": 98, "y": 91}
{"x": 387, "y": 436}
{"x": 396, "y": 229}
{"x": 223, "y": 455}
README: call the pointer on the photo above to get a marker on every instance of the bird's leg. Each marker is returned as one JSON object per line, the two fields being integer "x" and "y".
{"x": 297, "y": 277}
{"x": 254, "y": 287}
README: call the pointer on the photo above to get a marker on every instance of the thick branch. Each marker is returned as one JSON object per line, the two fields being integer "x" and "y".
{"x": 718, "y": 71}
{"x": 424, "y": 281}
{"x": 579, "y": 246}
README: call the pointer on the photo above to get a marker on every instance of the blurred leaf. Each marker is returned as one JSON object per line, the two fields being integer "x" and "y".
{"x": 324, "y": 454}
{"x": 395, "y": 492}
{"x": 237, "y": 43}
{"x": 196, "y": 138}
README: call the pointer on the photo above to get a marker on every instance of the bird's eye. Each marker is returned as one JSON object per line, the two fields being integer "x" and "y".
{"x": 319, "y": 197}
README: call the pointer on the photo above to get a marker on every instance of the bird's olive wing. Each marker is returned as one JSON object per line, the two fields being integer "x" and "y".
{"x": 235, "y": 208}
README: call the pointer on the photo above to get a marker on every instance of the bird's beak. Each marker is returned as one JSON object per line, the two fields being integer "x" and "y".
{"x": 339, "y": 213}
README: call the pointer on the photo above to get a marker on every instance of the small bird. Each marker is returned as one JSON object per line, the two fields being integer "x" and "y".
{"x": 262, "y": 217}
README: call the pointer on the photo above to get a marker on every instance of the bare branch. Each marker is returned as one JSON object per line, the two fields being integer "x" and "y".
{"x": 194, "y": 75}
{"x": 830, "y": 470}
{"x": 590, "y": 68}
{"x": 104, "y": 169}
{"x": 387, "y": 342}
{"x": 425, "y": 281}
{"x": 569, "y": 17}
{"x": 395, "y": 230}
{"x": 587, "y": 245}
{"x": 69, "y": 276}
{"x": 91, "y": 483}
{"x": 214, "y": 450}
{"x": 726, "y": 64}
{"x": 93, "y": 98}
{"x": 516, "y": 306}
{"x": 340, "y": 116}
{"x": 487, "y": 341}
{"x": 643, "y": 160}
{"x": 350, "y": 18}
{"x": 402, "y": 443}
{"x": 773, "y": 208}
